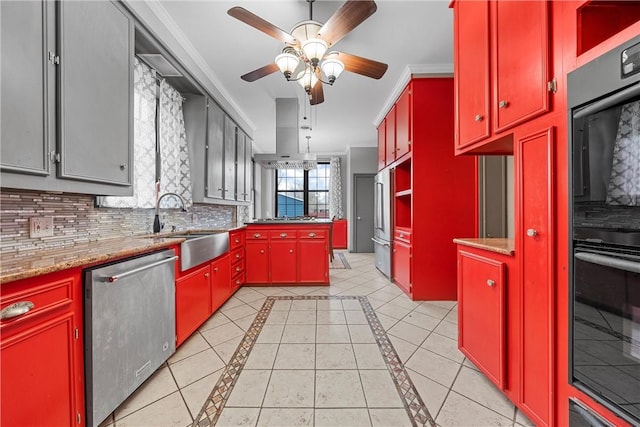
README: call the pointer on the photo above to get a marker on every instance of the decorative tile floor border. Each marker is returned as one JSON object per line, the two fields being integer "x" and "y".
{"x": 344, "y": 261}
{"x": 417, "y": 411}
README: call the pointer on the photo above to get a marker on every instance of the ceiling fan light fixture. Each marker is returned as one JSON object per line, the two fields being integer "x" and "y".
{"x": 332, "y": 68}
{"x": 307, "y": 79}
{"x": 314, "y": 50}
{"x": 287, "y": 63}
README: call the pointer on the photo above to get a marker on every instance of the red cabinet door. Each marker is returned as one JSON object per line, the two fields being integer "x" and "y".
{"x": 193, "y": 302}
{"x": 481, "y": 307}
{"x": 284, "y": 261}
{"x": 257, "y": 266}
{"x": 382, "y": 147}
{"x": 40, "y": 358}
{"x": 535, "y": 161}
{"x": 521, "y": 61}
{"x": 339, "y": 240}
{"x": 402, "y": 265}
{"x": 403, "y": 123}
{"x": 220, "y": 282}
{"x": 390, "y": 136}
{"x": 471, "y": 52}
{"x": 314, "y": 261}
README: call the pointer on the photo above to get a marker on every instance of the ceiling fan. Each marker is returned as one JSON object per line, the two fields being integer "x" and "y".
{"x": 305, "y": 57}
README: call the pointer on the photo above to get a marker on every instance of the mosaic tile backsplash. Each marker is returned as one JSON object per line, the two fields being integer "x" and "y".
{"x": 77, "y": 220}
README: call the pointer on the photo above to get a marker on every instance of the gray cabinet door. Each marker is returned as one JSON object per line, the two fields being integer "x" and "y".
{"x": 229, "y": 159}
{"x": 240, "y": 166}
{"x": 248, "y": 170}
{"x": 215, "y": 151}
{"x": 195, "y": 123}
{"x": 27, "y": 86}
{"x": 96, "y": 93}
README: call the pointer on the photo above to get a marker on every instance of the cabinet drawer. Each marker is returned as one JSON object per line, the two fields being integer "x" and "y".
{"x": 402, "y": 234}
{"x": 312, "y": 234}
{"x": 282, "y": 234}
{"x": 237, "y": 269}
{"x": 256, "y": 235}
{"x": 45, "y": 299}
{"x": 237, "y": 255}
{"x": 236, "y": 239}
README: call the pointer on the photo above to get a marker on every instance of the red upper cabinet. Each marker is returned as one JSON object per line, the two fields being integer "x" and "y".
{"x": 403, "y": 123}
{"x": 471, "y": 43}
{"x": 521, "y": 61}
{"x": 502, "y": 71}
{"x": 382, "y": 146}
{"x": 390, "y": 138}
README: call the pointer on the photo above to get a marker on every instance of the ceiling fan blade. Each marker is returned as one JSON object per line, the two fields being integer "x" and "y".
{"x": 360, "y": 65}
{"x": 317, "y": 93}
{"x": 260, "y": 73}
{"x": 249, "y": 18}
{"x": 349, "y": 16}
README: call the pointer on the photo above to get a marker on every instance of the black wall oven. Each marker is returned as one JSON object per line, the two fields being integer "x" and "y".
{"x": 604, "y": 350}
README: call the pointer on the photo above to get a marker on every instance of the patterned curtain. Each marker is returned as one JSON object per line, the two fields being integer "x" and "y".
{"x": 624, "y": 183}
{"x": 175, "y": 175}
{"x": 335, "y": 189}
{"x": 144, "y": 142}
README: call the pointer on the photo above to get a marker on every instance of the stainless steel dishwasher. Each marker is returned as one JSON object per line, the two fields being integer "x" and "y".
{"x": 129, "y": 327}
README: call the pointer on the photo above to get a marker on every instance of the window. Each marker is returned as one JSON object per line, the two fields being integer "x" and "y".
{"x": 303, "y": 193}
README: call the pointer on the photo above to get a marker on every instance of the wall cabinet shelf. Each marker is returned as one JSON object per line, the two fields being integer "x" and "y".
{"x": 67, "y": 96}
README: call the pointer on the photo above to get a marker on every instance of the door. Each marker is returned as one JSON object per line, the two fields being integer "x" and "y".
{"x": 220, "y": 282}
{"x": 257, "y": 257}
{"x": 535, "y": 180}
{"x": 283, "y": 266}
{"x": 215, "y": 150}
{"x": 363, "y": 185}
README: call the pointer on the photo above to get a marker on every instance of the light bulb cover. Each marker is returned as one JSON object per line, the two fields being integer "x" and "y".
{"x": 332, "y": 68}
{"x": 287, "y": 63}
{"x": 314, "y": 50}
{"x": 307, "y": 79}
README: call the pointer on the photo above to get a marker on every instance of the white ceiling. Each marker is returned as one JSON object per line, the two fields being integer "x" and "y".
{"x": 400, "y": 33}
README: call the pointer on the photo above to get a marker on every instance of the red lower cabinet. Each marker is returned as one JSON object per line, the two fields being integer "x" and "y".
{"x": 193, "y": 302}
{"x": 339, "y": 238}
{"x": 481, "y": 308}
{"x": 284, "y": 261}
{"x": 257, "y": 256}
{"x": 313, "y": 262}
{"x": 402, "y": 265}
{"x": 220, "y": 282}
{"x": 41, "y": 352}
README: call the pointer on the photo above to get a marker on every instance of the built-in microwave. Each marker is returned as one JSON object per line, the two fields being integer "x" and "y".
{"x": 604, "y": 132}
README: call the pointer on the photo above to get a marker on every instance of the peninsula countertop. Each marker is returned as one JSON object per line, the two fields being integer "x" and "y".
{"x": 500, "y": 245}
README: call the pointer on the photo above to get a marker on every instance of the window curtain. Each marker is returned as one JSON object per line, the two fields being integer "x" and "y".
{"x": 335, "y": 189}
{"x": 144, "y": 142}
{"x": 624, "y": 183}
{"x": 175, "y": 174}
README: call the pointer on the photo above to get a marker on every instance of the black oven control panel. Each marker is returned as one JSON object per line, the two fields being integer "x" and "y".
{"x": 630, "y": 60}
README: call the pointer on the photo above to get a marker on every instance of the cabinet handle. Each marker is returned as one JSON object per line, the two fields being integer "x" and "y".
{"x": 491, "y": 282}
{"x": 531, "y": 232}
{"x": 312, "y": 234}
{"x": 257, "y": 235}
{"x": 261, "y": 251}
{"x": 238, "y": 269}
{"x": 206, "y": 275}
{"x": 237, "y": 240}
{"x": 283, "y": 235}
{"x": 238, "y": 281}
{"x": 237, "y": 256}
{"x": 215, "y": 269}
{"x": 15, "y": 310}
{"x": 401, "y": 235}
{"x": 290, "y": 251}
{"x": 123, "y": 166}
{"x": 503, "y": 104}
{"x": 479, "y": 117}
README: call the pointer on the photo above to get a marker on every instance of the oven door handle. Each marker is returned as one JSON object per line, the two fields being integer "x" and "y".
{"x": 607, "y": 261}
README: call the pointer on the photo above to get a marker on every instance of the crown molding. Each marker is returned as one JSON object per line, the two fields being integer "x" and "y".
{"x": 409, "y": 72}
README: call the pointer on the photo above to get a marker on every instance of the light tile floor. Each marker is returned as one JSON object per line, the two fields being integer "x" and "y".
{"x": 316, "y": 362}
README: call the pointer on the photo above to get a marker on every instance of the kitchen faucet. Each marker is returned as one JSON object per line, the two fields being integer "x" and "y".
{"x": 156, "y": 220}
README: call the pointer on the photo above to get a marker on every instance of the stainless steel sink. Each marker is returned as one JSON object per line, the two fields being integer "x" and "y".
{"x": 201, "y": 247}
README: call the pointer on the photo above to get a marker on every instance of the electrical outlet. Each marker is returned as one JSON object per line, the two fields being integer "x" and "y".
{"x": 40, "y": 227}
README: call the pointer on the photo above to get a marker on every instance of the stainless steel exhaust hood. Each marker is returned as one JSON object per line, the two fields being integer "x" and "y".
{"x": 287, "y": 155}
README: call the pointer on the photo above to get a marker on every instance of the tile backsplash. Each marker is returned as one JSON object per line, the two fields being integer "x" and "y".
{"x": 76, "y": 219}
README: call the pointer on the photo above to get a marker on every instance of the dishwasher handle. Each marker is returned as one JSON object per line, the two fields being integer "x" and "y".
{"x": 117, "y": 277}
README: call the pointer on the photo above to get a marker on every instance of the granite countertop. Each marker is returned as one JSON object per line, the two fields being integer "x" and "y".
{"x": 499, "y": 245}
{"x": 16, "y": 266}
{"x": 290, "y": 222}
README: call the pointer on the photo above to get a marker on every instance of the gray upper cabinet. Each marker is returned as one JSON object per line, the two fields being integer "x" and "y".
{"x": 229, "y": 159}
{"x": 215, "y": 151}
{"x": 248, "y": 169}
{"x": 240, "y": 184}
{"x": 27, "y": 86}
{"x": 66, "y": 96}
{"x": 96, "y": 94}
